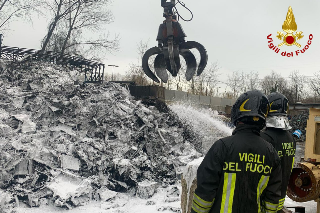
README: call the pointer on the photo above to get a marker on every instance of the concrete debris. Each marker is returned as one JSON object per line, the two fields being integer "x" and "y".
{"x": 39, "y": 198}
{"x": 171, "y": 199}
{"x": 24, "y": 167}
{"x": 43, "y": 202}
{"x": 119, "y": 200}
{"x": 118, "y": 186}
{"x": 150, "y": 202}
{"x": 69, "y": 162}
{"x": 146, "y": 189}
{"x": 172, "y": 195}
{"x": 67, "y": 186}
{"x": 105, "y": 194}
{"x": 6, "y": 200}
{"x": 169, "y": 208}
{"x": 27, "y": 125}
{"x": 81, "y": 201}
{"x": 51, "y": 126}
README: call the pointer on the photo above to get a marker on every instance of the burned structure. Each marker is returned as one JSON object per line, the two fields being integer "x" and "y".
{"x": 94, "y": 71}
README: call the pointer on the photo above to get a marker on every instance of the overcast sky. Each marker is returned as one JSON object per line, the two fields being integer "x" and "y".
{"x": 233, "y": 32}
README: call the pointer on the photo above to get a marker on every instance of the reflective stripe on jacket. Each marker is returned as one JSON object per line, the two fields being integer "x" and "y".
{"x": 285, "y": 145}
{"x": 240, "y": 173}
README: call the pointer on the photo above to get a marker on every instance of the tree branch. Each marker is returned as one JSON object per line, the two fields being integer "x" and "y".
{"x": 3, "y": 3}
{"x": 9, "y": 18}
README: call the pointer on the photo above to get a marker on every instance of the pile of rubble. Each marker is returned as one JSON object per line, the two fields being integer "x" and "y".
{"x": 65, "y": 143}
{"x": 300, "y": 122}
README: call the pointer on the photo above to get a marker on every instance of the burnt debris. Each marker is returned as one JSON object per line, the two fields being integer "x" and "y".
{"x": 65, "y": 143}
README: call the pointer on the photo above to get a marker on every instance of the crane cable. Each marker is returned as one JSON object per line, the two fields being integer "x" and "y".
{"x": 183, "y": 5}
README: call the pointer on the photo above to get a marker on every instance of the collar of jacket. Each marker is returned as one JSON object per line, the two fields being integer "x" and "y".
{"x": 246, "y": 128}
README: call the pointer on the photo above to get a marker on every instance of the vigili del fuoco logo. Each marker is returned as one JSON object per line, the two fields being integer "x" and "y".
{"x": 289, "y": 37}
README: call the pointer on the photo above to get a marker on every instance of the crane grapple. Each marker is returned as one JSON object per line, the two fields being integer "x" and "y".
{"x": 172, "y": 44}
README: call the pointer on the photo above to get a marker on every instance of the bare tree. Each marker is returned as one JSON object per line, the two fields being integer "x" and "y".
{"x": 207, "y": 81}
{"x": 142, "y": 47}
{"x": 273, "y": 83}
{"x": 227, "y": 94}
{"x": 71, "y": 23}
{"x": 241, "y": 82}
{"x": 314, "y": 83}
{"x": 89, "y": 16}
{"x": 60, "y": 9}
{"x": 179, "y": 82}
{"x": 3, "y": 3}
{"x": 56, "y": 42}
{"x": 16, "y": 9}
{"x": 236, "y": 82}
{"x": 135, "y": 72}
{"x": 252, "y": 80}
{"x": 297, "y": 85}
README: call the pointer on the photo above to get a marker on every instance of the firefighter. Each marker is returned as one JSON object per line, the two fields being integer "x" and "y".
{"x": 240, "y": 173}
{"x": 277, "y": 133}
